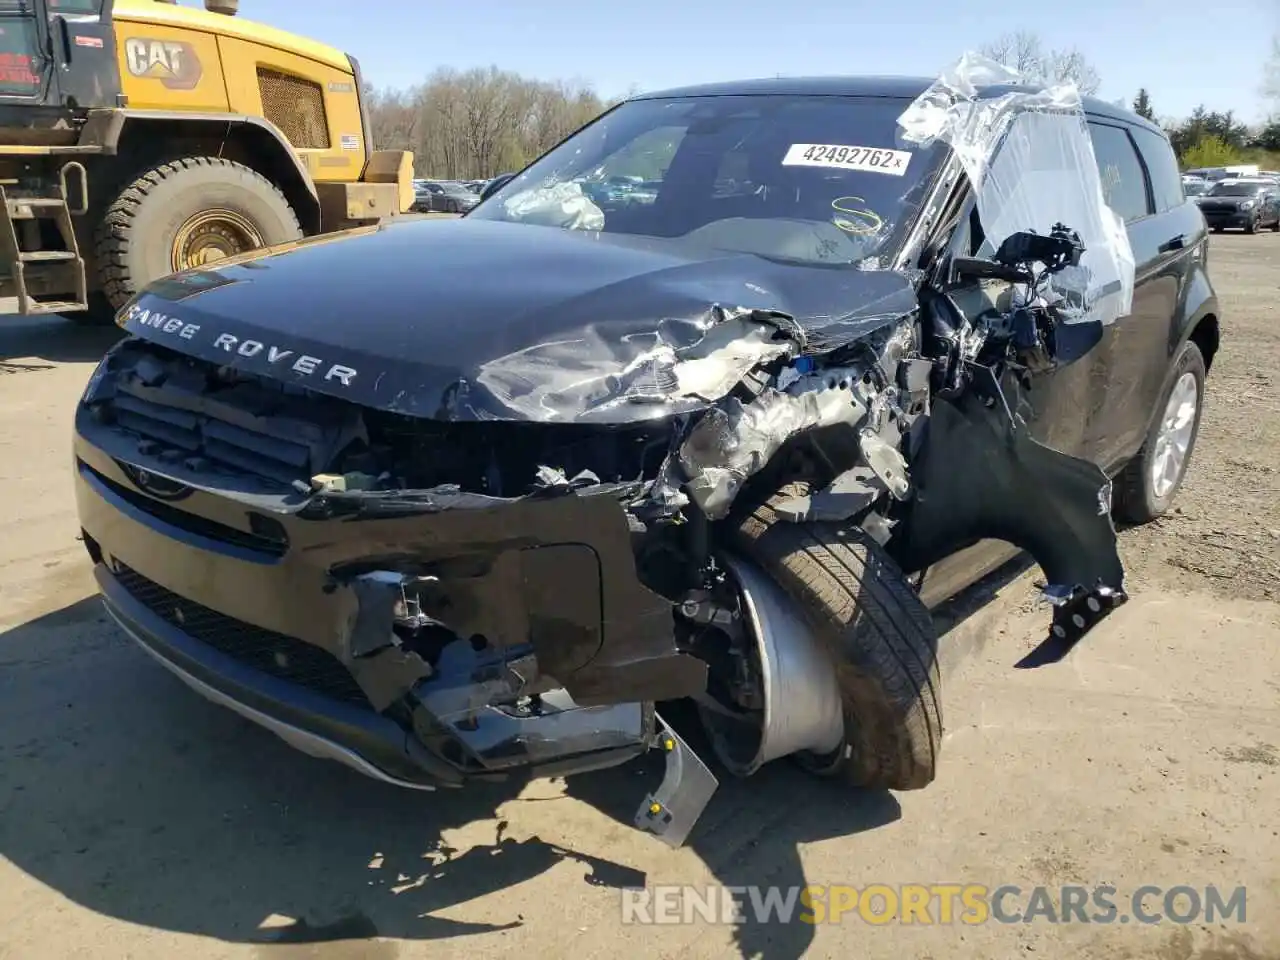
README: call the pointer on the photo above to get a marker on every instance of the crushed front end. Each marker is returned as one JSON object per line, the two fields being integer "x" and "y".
{"x": 424, "y": 634}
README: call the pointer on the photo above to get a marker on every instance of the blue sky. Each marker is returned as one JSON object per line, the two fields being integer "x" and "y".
{"x": 1185, "y": 52}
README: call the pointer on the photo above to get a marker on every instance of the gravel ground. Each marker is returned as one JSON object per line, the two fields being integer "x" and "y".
{"x": 136, "y": 820}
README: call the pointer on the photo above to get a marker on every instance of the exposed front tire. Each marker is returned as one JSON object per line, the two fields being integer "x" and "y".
{"x": 880, "y": 639}
{"x": 187, "y": 213}
{"x": 1252, "y": 226}
{"x": 1145, "y": 489}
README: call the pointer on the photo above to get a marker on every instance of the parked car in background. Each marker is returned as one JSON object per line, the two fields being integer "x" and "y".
{"x": 1195, "y": 187}
{"x": 444, "y": 196}
{"x": 1242, "y": 204}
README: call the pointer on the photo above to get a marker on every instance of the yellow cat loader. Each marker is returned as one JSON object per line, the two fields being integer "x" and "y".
{"x": 139, "y": 137}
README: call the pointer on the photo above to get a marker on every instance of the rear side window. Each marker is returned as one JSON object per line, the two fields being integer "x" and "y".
{"x": 1123, "y": 183}
{"x": 1162, "y": 165}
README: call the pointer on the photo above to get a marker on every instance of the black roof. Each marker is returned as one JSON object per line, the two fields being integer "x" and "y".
{"x": 889, "y": 87}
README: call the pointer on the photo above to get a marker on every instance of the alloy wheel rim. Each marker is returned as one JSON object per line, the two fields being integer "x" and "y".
{"x": 213, "y": 235}
{"x": 1173, "y": 441}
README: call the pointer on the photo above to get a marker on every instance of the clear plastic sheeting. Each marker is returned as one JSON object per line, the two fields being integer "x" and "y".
{"x": 1028, "y": 153}
{"x": 559, "y": 205}
{"x": 679, "y": 366}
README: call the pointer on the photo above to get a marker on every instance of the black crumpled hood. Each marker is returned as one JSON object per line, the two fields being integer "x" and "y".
{"x": 464, "y": 320}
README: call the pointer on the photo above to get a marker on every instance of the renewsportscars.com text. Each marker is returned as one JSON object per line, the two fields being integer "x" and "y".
{"x": 932, "y": 904}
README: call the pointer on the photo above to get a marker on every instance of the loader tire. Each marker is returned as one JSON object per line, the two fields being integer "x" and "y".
{"x": 880, "y": 638}
{"x": 188, "y": 212}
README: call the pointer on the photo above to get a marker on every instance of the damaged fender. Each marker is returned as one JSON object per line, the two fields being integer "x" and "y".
{"x": 1055, "y": 507}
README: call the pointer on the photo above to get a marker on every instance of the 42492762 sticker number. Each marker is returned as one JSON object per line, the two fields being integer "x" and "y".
{"x": 847, "y": 157}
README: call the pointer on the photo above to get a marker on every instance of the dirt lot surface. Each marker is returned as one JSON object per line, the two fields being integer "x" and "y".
{"x": 136, "y": 820}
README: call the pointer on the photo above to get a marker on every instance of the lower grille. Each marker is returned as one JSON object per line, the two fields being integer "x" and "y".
{"x": 285, "y": 658}
{"x": 273, "y": 542}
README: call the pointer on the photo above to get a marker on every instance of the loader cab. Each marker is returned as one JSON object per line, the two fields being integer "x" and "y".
{"x": 57, "y": 54}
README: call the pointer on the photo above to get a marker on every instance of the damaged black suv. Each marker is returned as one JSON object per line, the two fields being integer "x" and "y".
{"x": 467, "y": 499}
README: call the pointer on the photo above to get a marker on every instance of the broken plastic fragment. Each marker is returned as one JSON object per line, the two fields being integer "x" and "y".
{"x": 344, "y": 482}
{"x": 848, "y": 494}
{"x": 671, "y": 811}
{"x": 553, "y": 478}
{"x": 1082, "y": 610}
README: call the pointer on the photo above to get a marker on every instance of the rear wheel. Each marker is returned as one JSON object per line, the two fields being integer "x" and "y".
{"x": 188, "y": 213}
{"x": 1145, "y": 489}
{"x": 1275, "y": 224}
{"x": 880, "y": 639}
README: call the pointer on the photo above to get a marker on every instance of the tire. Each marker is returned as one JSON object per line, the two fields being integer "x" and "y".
{"x": 1275, "y": 227}
{"x": 880, "y": 638}
{"x": 1135, "y": 498}
{"x": 1252, "y": 226}
{"x": 135, "y": 240}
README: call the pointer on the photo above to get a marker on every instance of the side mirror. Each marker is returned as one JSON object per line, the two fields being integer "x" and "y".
{"x": 494, "y": 185}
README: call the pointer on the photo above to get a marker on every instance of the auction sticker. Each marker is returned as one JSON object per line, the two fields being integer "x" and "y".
{"x": 844, "y": 157}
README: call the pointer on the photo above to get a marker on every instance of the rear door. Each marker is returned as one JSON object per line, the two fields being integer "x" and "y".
{"x": 1145, "y": 189}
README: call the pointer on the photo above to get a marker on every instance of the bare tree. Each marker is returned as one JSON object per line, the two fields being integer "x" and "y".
{"x": 1020, "y": 51}
{"x": 1025, "y": 52}
{"x": 393, "y": 116}
{"x": 480, "y": 122}
{"x": 1271, "y": 73}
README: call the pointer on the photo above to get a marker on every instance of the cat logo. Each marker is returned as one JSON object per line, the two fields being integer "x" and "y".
{"x": 172, "y": 62}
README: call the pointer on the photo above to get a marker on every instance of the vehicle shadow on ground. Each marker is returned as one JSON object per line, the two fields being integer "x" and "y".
{"x": 752, "y": 832}
{"x": 133, "y": 797}
{"x": 43, "y": 341}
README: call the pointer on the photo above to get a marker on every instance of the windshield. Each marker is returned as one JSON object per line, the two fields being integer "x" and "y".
{"x": 1237, "y": 189}
{"x": 1194, "y": 188}
{"x": 814, "y": 179}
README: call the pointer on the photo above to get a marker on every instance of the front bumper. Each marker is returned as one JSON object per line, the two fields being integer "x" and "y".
{"x": 308, "y": 721}
{"x": 1229, "y": 220}
{"x": 251, "y": 608}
